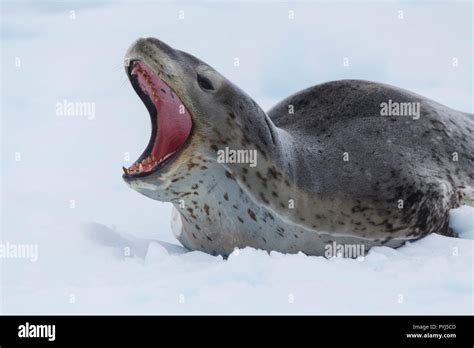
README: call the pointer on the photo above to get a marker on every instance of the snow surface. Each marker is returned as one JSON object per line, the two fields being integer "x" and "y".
{"x": 103, "y": 248}
{"x": 85, "y": 270}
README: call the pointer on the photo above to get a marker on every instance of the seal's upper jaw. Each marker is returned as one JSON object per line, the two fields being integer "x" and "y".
{"x": 171, "y": 121}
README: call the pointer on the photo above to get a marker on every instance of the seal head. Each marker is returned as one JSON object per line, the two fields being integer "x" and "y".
{"x": 190, "y": 107}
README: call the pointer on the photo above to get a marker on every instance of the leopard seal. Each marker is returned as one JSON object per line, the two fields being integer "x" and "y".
{"x": 349, "y": 162}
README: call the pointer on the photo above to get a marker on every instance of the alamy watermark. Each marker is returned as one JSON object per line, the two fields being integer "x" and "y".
{"x": 393, "y": 108}
{"x": 28, "y": 330}
{"x": 352, "y": 251}
{"x": 228, "y": 155}
{"x": 19, "y": 251}
{"x": 80, "y": 109}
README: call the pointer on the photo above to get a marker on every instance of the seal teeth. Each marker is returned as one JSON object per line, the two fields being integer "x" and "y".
{"x": 144, "y": 165}
{"x": 149, "y": 81}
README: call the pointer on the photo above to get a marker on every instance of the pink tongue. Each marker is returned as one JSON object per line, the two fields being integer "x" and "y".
{"x": 174, "y": 120}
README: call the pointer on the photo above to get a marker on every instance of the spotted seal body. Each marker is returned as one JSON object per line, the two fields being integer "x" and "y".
{"x": 330, "y": 167}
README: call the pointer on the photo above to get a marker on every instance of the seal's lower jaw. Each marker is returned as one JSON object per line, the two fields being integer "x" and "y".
{"x": 170, "y": 121}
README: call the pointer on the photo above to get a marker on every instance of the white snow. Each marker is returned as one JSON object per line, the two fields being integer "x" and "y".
{"x": 95, "y": 269}
{"x": 103, "y": 248}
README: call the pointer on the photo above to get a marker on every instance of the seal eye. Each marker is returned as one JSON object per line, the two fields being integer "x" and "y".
{"x": 205, "y": 83}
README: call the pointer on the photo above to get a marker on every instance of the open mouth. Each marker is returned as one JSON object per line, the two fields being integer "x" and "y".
{"x": 171, "y": 122}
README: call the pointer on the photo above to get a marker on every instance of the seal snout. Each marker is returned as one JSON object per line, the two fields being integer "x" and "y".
{"x": 150, "y": 49}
